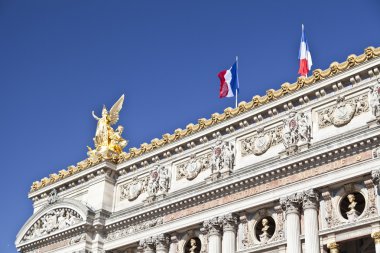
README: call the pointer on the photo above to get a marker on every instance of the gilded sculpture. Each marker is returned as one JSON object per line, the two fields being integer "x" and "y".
{"x": 109, "y": 143}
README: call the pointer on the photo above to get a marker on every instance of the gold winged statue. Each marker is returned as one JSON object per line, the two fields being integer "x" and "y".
{"x": 108, "y": 142}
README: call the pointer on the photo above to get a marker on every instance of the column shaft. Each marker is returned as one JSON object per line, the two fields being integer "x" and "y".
{"x": 293, "y": 233}
{"x": 228, "y": 242}
{"x": 214, "y": 243}
{"x": 311, "y": 230}
{"x": 377, "y": 247}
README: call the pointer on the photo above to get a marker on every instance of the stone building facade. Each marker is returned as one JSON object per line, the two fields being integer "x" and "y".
{"x": 296, "y": 170}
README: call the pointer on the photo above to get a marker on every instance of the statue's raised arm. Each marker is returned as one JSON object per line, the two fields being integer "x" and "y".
{"x": 114, "y": 112}
{"x": 95, "y": 117}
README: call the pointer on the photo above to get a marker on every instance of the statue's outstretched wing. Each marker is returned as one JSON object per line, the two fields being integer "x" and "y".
{"x": 114, "y": 112}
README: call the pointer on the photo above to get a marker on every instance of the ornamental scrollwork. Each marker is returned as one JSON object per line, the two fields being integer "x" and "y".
{"x": 55, "y": 220}
{"x": 195, "y": 165}
{"x": 259, "y": 143}
{"x": 296, "y": 128}
{"x": 343, "y": 112}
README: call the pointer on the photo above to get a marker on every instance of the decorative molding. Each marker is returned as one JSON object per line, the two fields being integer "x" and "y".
{"x": 291, "y": 203}
{"x": 213, "y": 226}
{"x": 261, "y": 141}
{"x": 117, "y": 234}
{"x": 371, "y": 198}
{"x": 229, "y": 222}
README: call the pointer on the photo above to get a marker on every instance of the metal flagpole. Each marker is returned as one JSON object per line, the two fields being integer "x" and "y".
{"x": 237, "y": 79}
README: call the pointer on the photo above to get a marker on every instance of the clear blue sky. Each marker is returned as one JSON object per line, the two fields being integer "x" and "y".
{"x": 59, "y": 60}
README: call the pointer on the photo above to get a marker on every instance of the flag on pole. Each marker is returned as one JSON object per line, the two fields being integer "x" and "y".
{"x": 229, "y": 82}
{"x": 304, "y": 56}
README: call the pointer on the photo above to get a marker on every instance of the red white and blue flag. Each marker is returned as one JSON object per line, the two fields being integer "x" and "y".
{"x": 229, "y": 82}
{"x": 304, "y": 56}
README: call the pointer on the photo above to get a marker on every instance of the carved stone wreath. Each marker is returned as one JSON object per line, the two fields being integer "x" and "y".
{"x": 191, "y": 168}
{"x": 343, "y": 112}
{"x": 132, "y": 190}
{"x": 259, "y": 143}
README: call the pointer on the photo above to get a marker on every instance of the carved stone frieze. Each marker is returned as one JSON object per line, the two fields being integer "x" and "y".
{"x": 203, "y": 236}
{"x": 244, "y": 221}
{"x": 114, "y": 235}
{"x": 77, "y": 239}
{"x": 279, "y": 234}
{"x": 133, "y": 189}
{"x": 260, "y": 142}
{"x": 343, "y": 111}
{"x": 222, "y": 156}
{"x": 195, "y": 165}
{"x": 54, "y": 220}
{"x": 296, "y": 129}
{"x": 374, "y": 99}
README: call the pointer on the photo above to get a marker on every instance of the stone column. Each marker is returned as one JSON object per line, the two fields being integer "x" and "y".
{"x": 147, "y": 245}
{"x": 333, "y": 247}
{"x": 213, "y": 227}
{"x": 376, "y": 238}
{"x": 229, "y": 222}
{"x": 173, "y": 243}
{"x": 310, "y": 210}
{"x": 291, "y": 205}
{"x": 162, "y": 243}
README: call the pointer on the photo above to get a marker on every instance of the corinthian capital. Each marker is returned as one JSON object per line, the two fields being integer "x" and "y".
{"x": 147, "y": 244}
{"x": 229, "y": 222}
{"x": 310, "y": 199}
{"x": 376, "y": 176}
{"x": 213, "y": 226}
{"x": 291, "y": 203}
{"x": 162, "y": 241}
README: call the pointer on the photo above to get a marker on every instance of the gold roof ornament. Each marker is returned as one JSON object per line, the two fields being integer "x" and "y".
{"x": 109, "y": 143}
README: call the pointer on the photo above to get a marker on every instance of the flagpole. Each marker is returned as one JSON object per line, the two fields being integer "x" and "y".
{"x": 237, "y": 77}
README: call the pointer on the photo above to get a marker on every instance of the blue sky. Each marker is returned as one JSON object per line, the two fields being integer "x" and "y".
{"x": 59, "y": 60}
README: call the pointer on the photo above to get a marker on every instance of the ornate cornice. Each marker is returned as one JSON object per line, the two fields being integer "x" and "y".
{"x": 216, "y": 118}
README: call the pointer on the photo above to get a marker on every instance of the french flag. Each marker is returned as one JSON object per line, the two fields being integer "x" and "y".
{"x": 304, "y": 56}
{"x": 229, "y": 82}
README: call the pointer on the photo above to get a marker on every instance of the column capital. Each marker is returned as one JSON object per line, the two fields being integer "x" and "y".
{"x": 375, "y": 176}
{"x": 162, "y": 242}
{"x": 376, "y": 237}
{"x": 310, "y": 199}
{"x": 333, "y": 247}
{"x": 229, "y": 222}
{"x": 291, "y": 203}
{"x": 147, "y": 244}
{"x": 213, "y": 226}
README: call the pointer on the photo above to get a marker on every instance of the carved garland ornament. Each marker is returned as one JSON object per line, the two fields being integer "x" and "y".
{"x": 55, "y": 220}
{"x": 342, "y": 113}
{"x": 133, "y": 189}
{"x": 259, "y": 143}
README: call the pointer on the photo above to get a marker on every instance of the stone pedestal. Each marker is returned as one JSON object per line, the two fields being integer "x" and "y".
{"x": 310, "y": 207}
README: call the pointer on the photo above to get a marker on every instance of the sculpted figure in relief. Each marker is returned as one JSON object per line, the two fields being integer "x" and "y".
{"x": 296, "y": 128}
{"x": 374, "y": 99}
{"x": 52, "y": 221}
{"x": 223, "y": 156}
{"x": 159, "y": 181}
